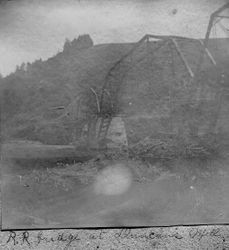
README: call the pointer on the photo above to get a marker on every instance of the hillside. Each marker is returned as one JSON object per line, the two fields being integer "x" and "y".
{"x": 30, "y": 94}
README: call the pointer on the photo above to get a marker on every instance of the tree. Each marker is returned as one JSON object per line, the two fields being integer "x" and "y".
{"x": 67, "y": 44}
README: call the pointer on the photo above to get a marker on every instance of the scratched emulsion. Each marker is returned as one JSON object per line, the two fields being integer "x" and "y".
{"x": 177, "y": 238}
{"x": 112, "y": 187}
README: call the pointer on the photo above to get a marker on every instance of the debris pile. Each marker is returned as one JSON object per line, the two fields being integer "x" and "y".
{"x": 171, "y": 148}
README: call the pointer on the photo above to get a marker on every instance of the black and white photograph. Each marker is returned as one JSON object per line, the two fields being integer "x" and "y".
{"x": 114, "y": 113}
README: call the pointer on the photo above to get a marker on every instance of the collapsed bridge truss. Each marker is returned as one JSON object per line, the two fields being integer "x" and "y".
{"x": 107, "y": 98}
{"x": 108, "y": 105}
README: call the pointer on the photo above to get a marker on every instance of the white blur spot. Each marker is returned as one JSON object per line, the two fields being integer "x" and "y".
{"x": 113, "y": 180}
{"x": 191, "y": 187}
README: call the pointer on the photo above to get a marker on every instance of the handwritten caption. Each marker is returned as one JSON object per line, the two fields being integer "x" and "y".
{"x": 31, "y": 238}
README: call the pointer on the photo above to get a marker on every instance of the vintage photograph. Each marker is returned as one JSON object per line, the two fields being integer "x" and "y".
{"x": 114, "y": 113}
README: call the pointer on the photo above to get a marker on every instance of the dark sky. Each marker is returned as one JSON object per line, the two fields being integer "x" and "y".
{"x": 33, "y": 29}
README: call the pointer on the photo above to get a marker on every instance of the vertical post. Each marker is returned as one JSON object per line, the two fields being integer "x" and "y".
{"x": 170, "y": 44}
{"x": 218, "y": 104}
{"x": 91, "y": 139}
{"x": 172, "y": 59}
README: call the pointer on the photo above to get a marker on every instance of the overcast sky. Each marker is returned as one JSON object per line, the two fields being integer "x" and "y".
{"x": 33, "y": 29}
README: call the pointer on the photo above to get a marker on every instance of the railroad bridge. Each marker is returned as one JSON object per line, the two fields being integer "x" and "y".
{"x": 100, "y": 107}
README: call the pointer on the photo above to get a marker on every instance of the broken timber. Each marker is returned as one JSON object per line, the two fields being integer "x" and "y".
{"x": 208, "y": 53}
{"x": 183, "y": 58}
